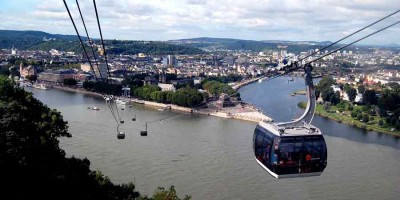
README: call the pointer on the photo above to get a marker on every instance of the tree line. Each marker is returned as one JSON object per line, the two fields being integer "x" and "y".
{"x": 33, "y": 164}
{"x": 385, "y": 102}
{"x": 187, "y": 97}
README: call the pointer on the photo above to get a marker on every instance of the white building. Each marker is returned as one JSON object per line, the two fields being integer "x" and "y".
{"x": 103, "y": 70}
{"x": 167, "y": 87}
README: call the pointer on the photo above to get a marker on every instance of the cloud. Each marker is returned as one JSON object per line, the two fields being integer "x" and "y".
{"x": 173, "y": 19}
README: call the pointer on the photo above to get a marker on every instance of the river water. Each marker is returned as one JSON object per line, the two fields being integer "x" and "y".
{"x": 211, "y": 158}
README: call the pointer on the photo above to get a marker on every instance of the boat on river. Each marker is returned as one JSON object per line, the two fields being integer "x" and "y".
{"x": 40, "y": 86}
{"x": 93, "y": 108}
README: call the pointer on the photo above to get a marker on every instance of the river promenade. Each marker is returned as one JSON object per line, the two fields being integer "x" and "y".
{"x": 241, "y": 111}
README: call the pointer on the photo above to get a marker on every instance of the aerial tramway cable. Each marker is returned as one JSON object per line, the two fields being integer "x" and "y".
{"x": 338, "y": 49}
{"x": 90, "y": 42}
{"x": 77, "y": 33}
{"x": 355, "y": 32}
{"x": 367, "y": 36}
{"x": 101, "y": 37}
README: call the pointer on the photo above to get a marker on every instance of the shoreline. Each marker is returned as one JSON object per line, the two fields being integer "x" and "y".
{"x": 247, "y": 112}
{"x": 358, "y": 125}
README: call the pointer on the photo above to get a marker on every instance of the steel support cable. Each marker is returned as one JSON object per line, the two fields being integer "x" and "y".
{"x": 116, "y": 108}
{"x": 367, "y": 36}
{"x": 340, "y": 48}
{"x": 101, "y": 37}
{"x": 77, "y": 33}
{"x": 351, "y": 34}
{"x": 173, "y": 117}
{"x": 112, "y": 113}
{"x": 87, "y": 35}
{"x": 166, "y": 118}
{"x": 110, "y": 107}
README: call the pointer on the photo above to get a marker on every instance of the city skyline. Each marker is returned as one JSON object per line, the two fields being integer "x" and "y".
{"x": 312, "y": 20}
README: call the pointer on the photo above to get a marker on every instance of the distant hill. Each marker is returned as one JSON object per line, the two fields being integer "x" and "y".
{"x": 253, "y": 45}
{"x": 33, "y": 40}
{"x": 35, "y": 35}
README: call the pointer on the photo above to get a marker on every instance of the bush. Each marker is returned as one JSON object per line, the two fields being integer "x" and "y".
{"x": 397, "y": 125}
{"x": 350, "y": 108}
{"x": 365, "y": 118}
{"x": 372, "y": 118}
{"x": 380, "y": 123}
{"x": 359, "y": 116}
{"x": 387, "y": 119}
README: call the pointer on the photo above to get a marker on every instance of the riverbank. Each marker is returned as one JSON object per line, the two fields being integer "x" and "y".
{"x": 345, "y": 117}
{"x": 242, "y": 111}
{"x": 299, "y": 92}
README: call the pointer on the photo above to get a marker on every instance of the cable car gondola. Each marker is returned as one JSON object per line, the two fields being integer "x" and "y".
{"x": 121, "y": 135}
{"x": 144, "y": 132}
{"x": 292, "y": 149}
{"x": 134, "y": 117}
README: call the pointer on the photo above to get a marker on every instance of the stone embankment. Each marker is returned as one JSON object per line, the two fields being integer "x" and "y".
{"x": 246, "y": 112}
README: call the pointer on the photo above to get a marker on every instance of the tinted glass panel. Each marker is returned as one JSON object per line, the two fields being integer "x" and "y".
{"x": 301, "y": 154}
{"x": 263, "y": 145}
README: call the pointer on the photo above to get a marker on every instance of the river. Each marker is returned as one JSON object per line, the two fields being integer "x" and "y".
{"x": 212, "y": 158}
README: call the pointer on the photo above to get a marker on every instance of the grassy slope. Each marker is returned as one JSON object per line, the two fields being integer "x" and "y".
{"x": 345, "y": 117}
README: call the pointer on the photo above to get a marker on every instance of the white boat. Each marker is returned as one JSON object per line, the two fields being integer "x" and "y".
{"x": 260, "y": 80}
{"x": 40, "y": 86}
{"x": 95, "y": 108}
{"x": 164, "y": 108}
{"x": 120, "y": 101}
{"x": 26, "y": 84}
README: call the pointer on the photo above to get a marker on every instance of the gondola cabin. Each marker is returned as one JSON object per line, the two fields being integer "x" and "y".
{"x": 143, "y": 133}
{"x": 291, "y": 151}
{"x": 121, "y": 135}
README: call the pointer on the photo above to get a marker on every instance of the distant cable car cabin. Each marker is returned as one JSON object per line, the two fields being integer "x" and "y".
{"x": 121, "y": 135}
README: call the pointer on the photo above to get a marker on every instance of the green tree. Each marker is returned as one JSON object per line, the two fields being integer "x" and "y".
{"x": 380, "y": 122}
{"x": 365, "y": 118}
{"x": 31, "y": 158}
{"x": 351, "y": 93}
{"x": 4, "y": 71}
{"x": 397, "y": 125}
{"x": 162, "y": 194}
{"x": 359, "y": 116}
{"x": 335, "y": 98}
{"x": 33, "y": 164}
{"x": 361, "y": 89}
{"x": 70, "y": 82}
{"x": 31, "y": 78}
{"x": 369, "y": 97}
{"x": 325, "y": 83}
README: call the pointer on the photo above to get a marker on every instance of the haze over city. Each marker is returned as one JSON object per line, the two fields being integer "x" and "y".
{"x": 312, "y": 20}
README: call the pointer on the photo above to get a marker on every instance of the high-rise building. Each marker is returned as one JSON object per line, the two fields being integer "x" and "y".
{"x": 171, "y": 60}
{"x": 165, "y": 61}
{"x": 13, "y": 51}
{"x": 162, "y": 77}
{"x": 101, "y": 70}
{"x": 230, "y": 60}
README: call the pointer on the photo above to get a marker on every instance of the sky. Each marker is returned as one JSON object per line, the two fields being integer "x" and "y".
{"x": 160, "y": 20}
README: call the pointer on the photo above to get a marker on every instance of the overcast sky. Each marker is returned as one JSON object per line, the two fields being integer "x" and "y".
{"x": 297, "y": 20}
